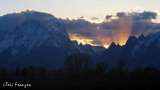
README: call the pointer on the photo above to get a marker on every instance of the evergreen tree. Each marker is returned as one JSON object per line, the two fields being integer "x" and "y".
{"x": 3, "y": 72}
{"x": 24, "y": 72}
{"x": 100, "y": 69}
{"x": 120, "y": 67}
{"x": 17, "y": 72}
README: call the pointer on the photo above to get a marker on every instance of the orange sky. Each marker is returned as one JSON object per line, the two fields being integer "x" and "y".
{"x": 124, "y": 27}
{"x": 120, "y": 33}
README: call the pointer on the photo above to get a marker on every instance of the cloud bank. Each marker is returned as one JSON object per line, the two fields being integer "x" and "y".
{"x": 104, "y": 33}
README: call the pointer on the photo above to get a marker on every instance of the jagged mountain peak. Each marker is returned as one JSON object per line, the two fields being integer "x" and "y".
{"x": 141, "y": 37}
{"x": 132, "y": 40}
{"x": 118, "y": 45}
{"x": 113, "y": 45}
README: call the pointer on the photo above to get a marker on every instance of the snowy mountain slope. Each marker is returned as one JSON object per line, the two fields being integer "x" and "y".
{"x": 30, "y": 37}
{"x": 46, "y": 44}
{"x": 142, "y": 51}
{"x": 144, "y": 41}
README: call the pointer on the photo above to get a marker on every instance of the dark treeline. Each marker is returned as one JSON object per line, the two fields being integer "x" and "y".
{"x": 78, "y": 74}
{"x": 78, "y": 66}
{"x": 98, "y": 72}
{"x": 30, "y": 71}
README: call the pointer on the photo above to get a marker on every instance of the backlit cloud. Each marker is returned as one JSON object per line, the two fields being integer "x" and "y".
{"x": 108, "y": 17}
{"x": 117, "y": 29}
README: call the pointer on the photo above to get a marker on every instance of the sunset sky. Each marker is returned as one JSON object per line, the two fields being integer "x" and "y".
{"x": 96, "y": 22}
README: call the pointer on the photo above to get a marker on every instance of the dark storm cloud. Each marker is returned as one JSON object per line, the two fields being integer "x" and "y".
{"x": 85, "y": 33}
{"x": 137, "y": 16}
{"x": 75, "y": 24}
{"x": 121, "y": 14}
{"x": 79, "y": 26}
{"x": 140, "y": 23}
{"x": 142, "y": 27}
{"x": 10, "y": 21}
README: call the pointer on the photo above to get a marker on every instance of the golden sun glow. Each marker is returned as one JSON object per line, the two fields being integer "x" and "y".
{"x": 106, "y": 46}
{"x": 118, "y": 34}
{"x": 83, "y": 40}
{"x": 80, "y": 39}
{"x": 124, "y": 29}
{"x": 104, "y": 42}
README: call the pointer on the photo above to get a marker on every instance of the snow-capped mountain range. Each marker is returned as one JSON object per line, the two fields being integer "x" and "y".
{"x": 142, "y": 51}
{"x": 48, "y": 44}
